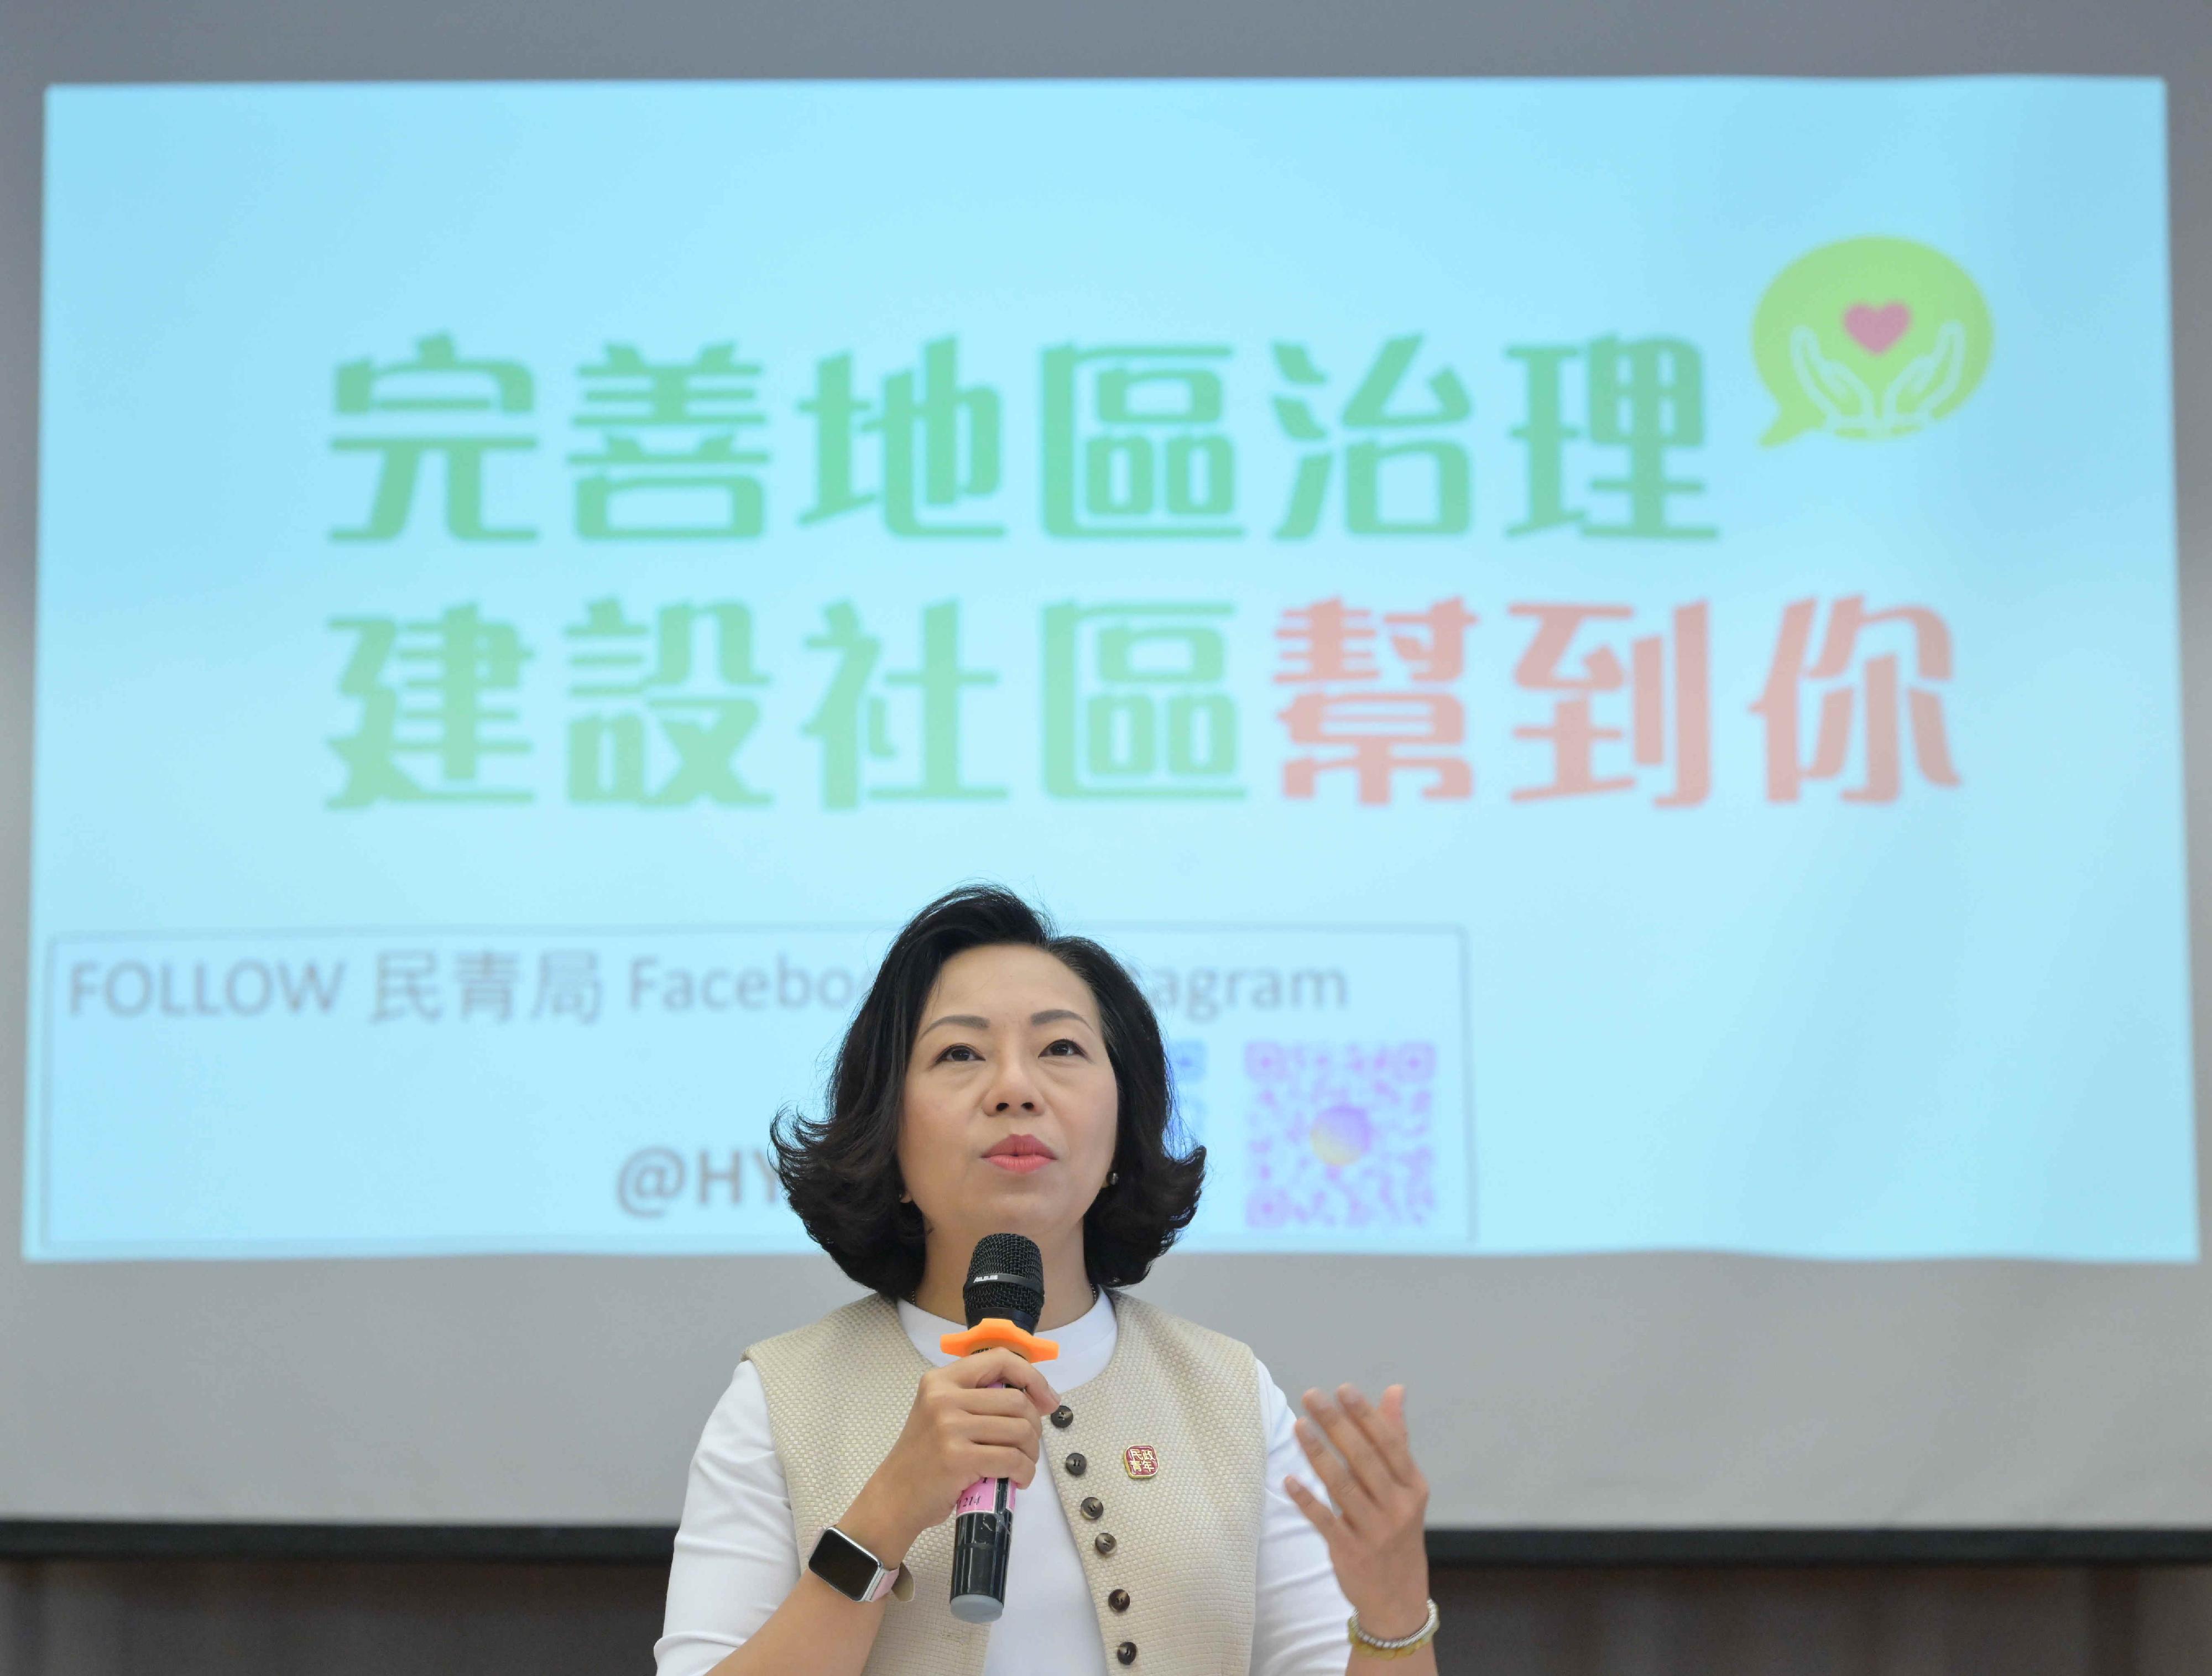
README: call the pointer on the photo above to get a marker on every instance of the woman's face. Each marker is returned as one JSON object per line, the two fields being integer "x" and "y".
{"x": 1011, "y": 1106}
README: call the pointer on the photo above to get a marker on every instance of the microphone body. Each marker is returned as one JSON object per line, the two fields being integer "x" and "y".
{"x": 1004, "y": 1295}
{"x": 982, "y": 1543}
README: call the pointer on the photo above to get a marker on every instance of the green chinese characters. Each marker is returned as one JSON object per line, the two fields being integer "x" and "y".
{"x": 1870, "y": 338}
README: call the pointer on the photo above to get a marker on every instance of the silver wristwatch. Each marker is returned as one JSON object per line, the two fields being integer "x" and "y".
{"x": 854, "y": 1572}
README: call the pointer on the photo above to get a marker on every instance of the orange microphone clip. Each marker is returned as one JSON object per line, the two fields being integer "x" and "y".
{"x": 997, "y": 1333}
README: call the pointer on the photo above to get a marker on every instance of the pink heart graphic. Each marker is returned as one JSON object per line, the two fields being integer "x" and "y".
{"x": 1876, "y": 329}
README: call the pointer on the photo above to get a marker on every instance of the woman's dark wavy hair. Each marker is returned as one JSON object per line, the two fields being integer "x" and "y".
{"x": 841, "y": 1172}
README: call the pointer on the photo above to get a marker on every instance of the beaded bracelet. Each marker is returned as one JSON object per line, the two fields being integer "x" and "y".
{"x": 1403, "y": 1646}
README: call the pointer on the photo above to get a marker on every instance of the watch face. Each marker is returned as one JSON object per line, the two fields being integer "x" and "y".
{"x": 842, "y": 1563}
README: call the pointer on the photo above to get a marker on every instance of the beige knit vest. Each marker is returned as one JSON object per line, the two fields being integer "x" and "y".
{"x": 1182, "y": 1547}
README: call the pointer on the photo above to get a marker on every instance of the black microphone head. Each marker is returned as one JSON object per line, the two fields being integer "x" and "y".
{"x": 1005, "y": 1279}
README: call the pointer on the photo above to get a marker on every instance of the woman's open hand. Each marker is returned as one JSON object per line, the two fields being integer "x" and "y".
{"x": 1375, "y": 1531}
{"x": 974, "y": 1419}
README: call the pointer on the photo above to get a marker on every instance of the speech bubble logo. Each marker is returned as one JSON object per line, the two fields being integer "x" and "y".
{"x": 1870, "y": 338}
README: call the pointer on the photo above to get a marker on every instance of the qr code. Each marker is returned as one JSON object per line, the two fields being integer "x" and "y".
{"x": 1187, "y": 1078}
{"x": 1340, "y": 1134}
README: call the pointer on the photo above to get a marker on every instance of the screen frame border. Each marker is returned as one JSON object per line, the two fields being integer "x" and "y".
{"x": 1807, "y": 1545}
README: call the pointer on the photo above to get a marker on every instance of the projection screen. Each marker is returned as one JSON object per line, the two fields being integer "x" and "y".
{"x": 1608, "y": 650}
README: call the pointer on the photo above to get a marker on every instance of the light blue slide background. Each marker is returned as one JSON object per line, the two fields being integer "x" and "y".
{"x": 1953, "y": 1026}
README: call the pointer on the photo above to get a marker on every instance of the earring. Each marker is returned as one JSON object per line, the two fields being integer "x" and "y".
{"x": 1112, "y": 1176}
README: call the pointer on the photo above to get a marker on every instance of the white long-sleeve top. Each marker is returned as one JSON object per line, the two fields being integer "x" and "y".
{"x": 736, "y": 1551}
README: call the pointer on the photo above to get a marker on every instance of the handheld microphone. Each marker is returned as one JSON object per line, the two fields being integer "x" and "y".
{"x": 1004, "y": 1296}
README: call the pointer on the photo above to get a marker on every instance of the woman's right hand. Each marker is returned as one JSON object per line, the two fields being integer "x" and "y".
{"x": 977, "y": 1417}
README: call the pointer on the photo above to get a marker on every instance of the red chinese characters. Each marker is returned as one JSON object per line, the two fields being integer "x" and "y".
{"x": 1664, "y": 687}
{"x": 1348, "y": 719}
{"x": 1625, "y": 697}
{"x": 1856, "y": 692}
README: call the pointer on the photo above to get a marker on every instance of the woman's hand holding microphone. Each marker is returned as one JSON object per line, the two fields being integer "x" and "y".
{"x": 977, "y": 1417}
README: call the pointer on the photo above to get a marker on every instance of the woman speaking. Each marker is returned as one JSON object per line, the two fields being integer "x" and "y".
{"x": 1000, "y": 1080}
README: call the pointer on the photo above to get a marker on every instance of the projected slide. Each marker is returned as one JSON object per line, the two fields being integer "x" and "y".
{"x": 1608, "y": 650}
